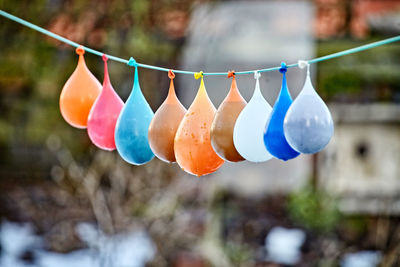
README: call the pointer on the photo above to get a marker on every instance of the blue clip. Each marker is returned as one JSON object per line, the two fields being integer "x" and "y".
{"x": 283, "y": 68}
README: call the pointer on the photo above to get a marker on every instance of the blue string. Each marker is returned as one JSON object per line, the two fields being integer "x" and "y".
{"x": 98, "y": 53}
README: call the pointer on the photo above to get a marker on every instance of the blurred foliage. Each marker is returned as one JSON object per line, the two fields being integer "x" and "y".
{"x": 313, "y": 209}
{"x": 35, "y": 67}
{"x": 367, "y": 76}
{"x": 239, "y": 253}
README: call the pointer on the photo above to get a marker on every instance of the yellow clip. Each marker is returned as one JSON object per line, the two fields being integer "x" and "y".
{"x": 198, "y": 75}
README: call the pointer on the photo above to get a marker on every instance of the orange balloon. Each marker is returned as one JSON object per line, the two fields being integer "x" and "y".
{"x": 224, "y": 122}
{"x": 79, "y": 94}
{"x": 193, "y": 150}
{"x": 165, "y": 123}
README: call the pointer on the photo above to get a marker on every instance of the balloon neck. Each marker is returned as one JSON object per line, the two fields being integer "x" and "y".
{"x": 284, "y": 88}
{"x": 106, "y": 75}
{"x": 171, "y": 93}
{"x": 136, "y": 79}
{"x": 308, "y": 87}
{"x": 136, "y": 87}
{"x": 257, "y": 91}
{"x": 81, "y": 60}
{"x": 202, "y": 89}
{"x": 234, "y": 93}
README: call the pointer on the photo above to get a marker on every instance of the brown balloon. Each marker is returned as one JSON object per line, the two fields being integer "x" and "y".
{"x": 165, "y": 123}
{"x": 224, "y": 123}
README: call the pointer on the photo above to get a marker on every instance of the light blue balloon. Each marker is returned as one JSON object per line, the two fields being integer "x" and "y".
{"x": 274, "y": 137}
{"x": 132, "y": 127}
{"x": 308, "y": 123}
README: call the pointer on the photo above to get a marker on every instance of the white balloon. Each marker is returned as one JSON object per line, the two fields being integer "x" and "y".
{"x": 248, "y": 134}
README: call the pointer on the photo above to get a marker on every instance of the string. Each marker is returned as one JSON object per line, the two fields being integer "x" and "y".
{"x": 118, "y": 59}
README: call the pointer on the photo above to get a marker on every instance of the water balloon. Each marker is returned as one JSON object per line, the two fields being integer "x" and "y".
{"x": 274, "y": 137}
{"x": 308, "y": 123}
{"x": 104, "y": 114}
{"x": 193, "y": 150}
{"x": 165, "y": 123}
{"x": 224, "y": 122}
{"x": 132, "y": 126}
{"x": 248, "y": 134}
{"x": 79, "y": 94}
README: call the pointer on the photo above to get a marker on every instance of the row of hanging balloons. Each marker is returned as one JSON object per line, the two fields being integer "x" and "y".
{"x": 201, "y": 138}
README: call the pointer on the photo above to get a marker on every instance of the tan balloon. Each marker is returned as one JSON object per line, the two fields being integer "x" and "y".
{"x": 224, "y": 123}
{"x": 164, "y": 125}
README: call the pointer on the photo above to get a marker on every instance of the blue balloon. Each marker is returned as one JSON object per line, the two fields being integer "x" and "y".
{"x": 132, "y": 127}
{"x": 274, "y": 136}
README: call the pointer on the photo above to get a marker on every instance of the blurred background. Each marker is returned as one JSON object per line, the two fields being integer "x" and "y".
{"x": 63, "y": 202}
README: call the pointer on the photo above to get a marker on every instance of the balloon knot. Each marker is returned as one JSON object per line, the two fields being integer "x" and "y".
{"x": 132, "y": 62}
{"x": 198, "y": 75}
{"x": 171, "y": 74}
{"x": 257, "y": 74}
{"x": 302, "y": 64}
{"x": 231, "y": 73}
{"x": 283, "y": 68}
{"x": 105, "y": 58}
{"x": 80, "y": 50}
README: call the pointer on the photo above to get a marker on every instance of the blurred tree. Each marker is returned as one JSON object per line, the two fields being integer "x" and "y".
{"x": 313, "y": 209}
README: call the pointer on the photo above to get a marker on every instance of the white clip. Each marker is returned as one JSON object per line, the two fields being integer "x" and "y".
{"x": 302, "y": 64}
{"x": 257, "y": 74}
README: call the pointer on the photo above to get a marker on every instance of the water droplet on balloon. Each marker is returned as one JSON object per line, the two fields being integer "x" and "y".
{"x": 248, "y": 134}
{"x": 104, "y": 114}
{"x": 164, "y": 125}
{"x": 79, "y": 94}
{"x": 308, "y": 123}
{"x": 132, "y": 126}
{"x": 274, "y": 137}
{"x": 224, "y": 122}
{"x": 193, "y": 150}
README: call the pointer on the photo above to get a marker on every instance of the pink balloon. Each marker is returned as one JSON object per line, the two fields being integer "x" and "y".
{"x": 104, "y": 114}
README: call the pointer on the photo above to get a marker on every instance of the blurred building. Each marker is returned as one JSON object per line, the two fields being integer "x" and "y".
{"x": 358, "y": 18}
{"x": 357, "y": 165}
{"x": 360, "y": 165}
